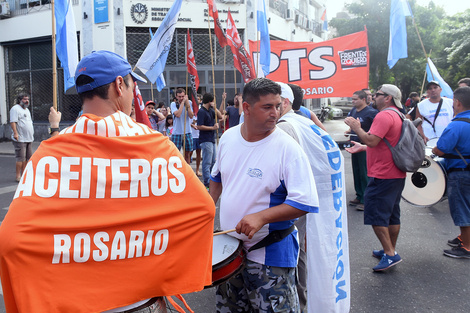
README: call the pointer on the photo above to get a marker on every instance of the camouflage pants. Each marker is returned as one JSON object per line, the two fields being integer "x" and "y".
{"x": 259, "y": 288}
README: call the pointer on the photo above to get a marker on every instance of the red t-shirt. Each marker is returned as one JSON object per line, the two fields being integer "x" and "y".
{"x": 387, "y": 124}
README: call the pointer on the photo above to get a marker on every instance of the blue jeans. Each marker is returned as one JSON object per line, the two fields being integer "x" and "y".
{"x": 208, "y": 160}
{"x": 458, "y": 185}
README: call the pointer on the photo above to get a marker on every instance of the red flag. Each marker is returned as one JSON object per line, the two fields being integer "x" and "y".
{"x": 219, "y": 32}
{"x": 241, "y": 58}
{"x": 139, "y": 107}
{"x": 192, "y": 71}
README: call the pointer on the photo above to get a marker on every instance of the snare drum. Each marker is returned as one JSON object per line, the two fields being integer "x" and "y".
{"x": 228, "y": 258}
{"x": 427, "y": 185}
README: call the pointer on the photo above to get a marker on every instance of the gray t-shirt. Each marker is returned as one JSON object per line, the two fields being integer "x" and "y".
{"x": 24, "y": 123}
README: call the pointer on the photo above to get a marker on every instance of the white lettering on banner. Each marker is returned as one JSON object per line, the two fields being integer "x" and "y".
{"x": 293, "y": 63}
{"x": 78, "y": 248}
{"x": 334, "y": 159}
{"x": 72, "y": 178}
{"x": 318, "y": 90}
{"x": 315, "y": 58}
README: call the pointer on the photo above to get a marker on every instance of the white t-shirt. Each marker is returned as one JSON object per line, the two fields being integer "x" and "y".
{"x": 24, "y": 123}
{"x": 194, "y": 132}
{"x": 178, "y": 122}
{"x": 428, "y": 109}
{"x": 259, "y": 175}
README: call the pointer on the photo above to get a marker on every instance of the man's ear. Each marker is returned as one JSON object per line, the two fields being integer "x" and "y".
{"x": 245, "y": 106}
{"x": 119, "y": 85}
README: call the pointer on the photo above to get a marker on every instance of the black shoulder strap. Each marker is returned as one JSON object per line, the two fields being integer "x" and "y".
{"x": 453, "y": 156}
{"x": 435, "y": 115}
{"x": 272, "y": 237}
{"x": 463, "y": 119}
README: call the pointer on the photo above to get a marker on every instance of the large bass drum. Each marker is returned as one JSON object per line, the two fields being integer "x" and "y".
{"x": 427, "y": 185}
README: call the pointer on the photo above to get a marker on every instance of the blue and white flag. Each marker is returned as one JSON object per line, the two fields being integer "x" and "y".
{"x": 433, "y": 74}
{"x": 66, "y": 40}
{"x": 153, "y": 59}
{"x": 161, "y": 83}
{"x": 397, "y": 48}
{"x": 265, "y": 42}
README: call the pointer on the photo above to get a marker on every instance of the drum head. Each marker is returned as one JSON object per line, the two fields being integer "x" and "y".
{"x": 223, "y": 247}
{"x": 426, "y": 186}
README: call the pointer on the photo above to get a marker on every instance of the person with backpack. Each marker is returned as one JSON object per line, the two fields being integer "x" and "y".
{"x": 454, "y": 147}
{"x": 386, "y": 180}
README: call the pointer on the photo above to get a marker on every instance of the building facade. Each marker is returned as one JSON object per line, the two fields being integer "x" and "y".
{"x": 123, "y": 26}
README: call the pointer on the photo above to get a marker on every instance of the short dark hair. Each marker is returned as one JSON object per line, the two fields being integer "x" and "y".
{"x": 465, "y": 81}
{"x": 21, "y": 96}
{"x": 463, "y": 95}
{"x": 298, "y": 96}
{"x": 161, "y": 104}
{"x": 101, "y": 91}
{"x": 230, "y": 103}
{"x": 207, "y": 98}
{"x": 413, "y": 94}
{"x": 180, "y": 90}
{"x": 259, "y": 87}
{"x": 361, "y": 94}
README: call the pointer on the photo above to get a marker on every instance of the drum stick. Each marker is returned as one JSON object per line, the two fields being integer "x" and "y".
{"x": 225, "y": 232}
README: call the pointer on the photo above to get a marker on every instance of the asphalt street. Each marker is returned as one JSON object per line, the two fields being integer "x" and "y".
{"x": 426, "y": 280}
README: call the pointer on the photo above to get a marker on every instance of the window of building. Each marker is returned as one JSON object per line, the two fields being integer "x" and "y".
{"x": 29, "y": 69}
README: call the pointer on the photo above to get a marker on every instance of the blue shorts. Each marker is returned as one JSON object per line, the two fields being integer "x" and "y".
{"x": 382, "y": 201}
{"x": 196, "y": 145}
{"x": 458, "y": 186}
{"x": 178, "y": 141}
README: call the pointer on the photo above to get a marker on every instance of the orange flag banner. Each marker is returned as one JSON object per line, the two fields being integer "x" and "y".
{"x": 332, "y": 68}
{"x": 107, "y": 213}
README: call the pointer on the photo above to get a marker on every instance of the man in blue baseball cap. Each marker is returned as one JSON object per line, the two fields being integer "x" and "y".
{"x": 108, "y": 76}
{"x": 96, "y": 170}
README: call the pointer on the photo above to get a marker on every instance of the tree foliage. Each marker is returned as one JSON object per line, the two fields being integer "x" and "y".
{"x": 445, "y": 37}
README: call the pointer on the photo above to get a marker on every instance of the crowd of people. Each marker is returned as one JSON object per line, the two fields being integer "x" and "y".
{"x": 277, "y": 174}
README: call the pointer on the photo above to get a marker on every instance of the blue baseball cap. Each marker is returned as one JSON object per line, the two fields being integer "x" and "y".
{"x": 103, "y": 67}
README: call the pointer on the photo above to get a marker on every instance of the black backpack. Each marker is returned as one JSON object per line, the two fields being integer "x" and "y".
{"x": 408, "y": 154}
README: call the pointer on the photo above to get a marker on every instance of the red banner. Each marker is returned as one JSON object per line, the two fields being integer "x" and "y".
{"x": 241, "y": 58}
{"x": 332, "y": 68}
{"x": 193, "y": 76}
{"x": 219, "y": 32}
{"x": 139, "y": 107}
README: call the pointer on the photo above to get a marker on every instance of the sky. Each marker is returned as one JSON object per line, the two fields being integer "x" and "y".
{"x": 450, "y": 6}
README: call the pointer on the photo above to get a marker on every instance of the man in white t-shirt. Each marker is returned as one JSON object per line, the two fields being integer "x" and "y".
{"x": 182, "y": 118}
{"x": 23, "y": 133}
{"x": 434, "y": 124}
{"x": 265, "y": 183}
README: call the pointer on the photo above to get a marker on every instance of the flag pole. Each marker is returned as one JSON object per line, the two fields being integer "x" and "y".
{"x": 151, "y": 84}
{"x": 184, "y": 108}
{"x": 213, "y": 77}
{"x": 257, "y": 46}
{"x": 225, "y": 61}
{"x": 54, "y": 59}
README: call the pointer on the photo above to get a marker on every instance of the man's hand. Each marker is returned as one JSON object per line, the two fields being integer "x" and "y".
{"x": 15, "y": 136}
{"x": 186, "y": 101}
{"x": 216, "y": 126}
{"x": 54, "y": 118}
{"x": 250, "y": 224}
{"x": 353, "y": 123}
{"x": 357, "y": 147}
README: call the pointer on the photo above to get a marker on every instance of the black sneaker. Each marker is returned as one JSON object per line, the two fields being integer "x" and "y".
{"x": 455, "y": 242}
{"x": 458, "y": 252}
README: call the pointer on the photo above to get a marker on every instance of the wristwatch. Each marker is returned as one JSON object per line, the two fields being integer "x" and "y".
{"x": 55, "y": 129}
